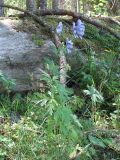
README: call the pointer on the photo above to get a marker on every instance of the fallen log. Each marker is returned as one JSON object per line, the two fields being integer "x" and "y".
{"x": 86, "y": 19}
{"x": 63, "y": 13}
{"x": 108, "y": 18}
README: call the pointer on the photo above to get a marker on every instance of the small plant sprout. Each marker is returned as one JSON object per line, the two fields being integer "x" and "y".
{"x": 69, "y": 45}
{"x": 59, "y": 28}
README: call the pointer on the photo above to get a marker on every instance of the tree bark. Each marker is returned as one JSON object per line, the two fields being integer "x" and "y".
{"x": 74, "y": 5}
{"x": 43, "y": 4}
{"x": 62, "y": 3}
{"x": 30, "y": 5}
{"x": 55, "y": 4}
{"x": 1, "y": 8}
{"x": 113, "y": 7}
{"x": 79, "y": 6}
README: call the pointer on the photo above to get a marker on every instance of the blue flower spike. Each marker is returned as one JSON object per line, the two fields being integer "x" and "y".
{"x": 80, "y": 29}
{"x": 59, "y": 28}
{"x": 74, "y": 29}
{"x": 69, "y": 45}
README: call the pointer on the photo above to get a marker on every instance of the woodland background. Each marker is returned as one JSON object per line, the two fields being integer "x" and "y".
{"x": 75, "y": 113}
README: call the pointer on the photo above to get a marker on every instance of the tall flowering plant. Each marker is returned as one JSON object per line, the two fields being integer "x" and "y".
{"x": 78, "y": 30}
{"x": 59, "y": 28}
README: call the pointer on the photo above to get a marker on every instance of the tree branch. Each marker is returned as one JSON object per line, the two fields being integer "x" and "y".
{"x": 108, "y": 18}
{"x": 86, "y": 19}
{"x": 63, "y": 13}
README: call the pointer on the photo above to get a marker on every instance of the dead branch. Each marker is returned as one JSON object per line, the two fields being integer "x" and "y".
{"x": 86, "y": 19}
{"x": 63, "y": 13}
{"x": 108, "y": 18}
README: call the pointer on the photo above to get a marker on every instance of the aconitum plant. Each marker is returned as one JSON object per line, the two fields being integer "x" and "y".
{"x": 69, "y": 45}
{"x": 74, "y": 29}
{"x": 78, "y": 30}
{"x": 59, "y": 28}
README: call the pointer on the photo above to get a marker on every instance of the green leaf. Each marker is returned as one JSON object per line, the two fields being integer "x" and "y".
{"x": 97, "y": 141}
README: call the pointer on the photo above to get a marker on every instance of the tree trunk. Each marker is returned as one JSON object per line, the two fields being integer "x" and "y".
{"x": 1, "y": 8}
{"x": 43, "y": 4}
{"x": 74, "y": 5}
{"x": 30, "y": 5}
{"x": 86, "y": 7}
{"x": 113, "y": 7}
{"x": 79, "y": 6}
{"x": 55, "y": 4}
{"x": 62, "y": 3}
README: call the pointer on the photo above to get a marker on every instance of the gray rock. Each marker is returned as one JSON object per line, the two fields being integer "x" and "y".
{"x": 20, "y": 58}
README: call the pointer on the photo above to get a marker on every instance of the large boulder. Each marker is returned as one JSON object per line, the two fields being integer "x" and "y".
{"x": 20, "y": 58}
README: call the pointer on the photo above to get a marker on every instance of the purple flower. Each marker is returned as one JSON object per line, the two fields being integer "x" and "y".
{"x": 69, "y": 45}
{"x": 59, "y": 28}
{"x": 79, "y": 29}
{"x": 74, "y": 28}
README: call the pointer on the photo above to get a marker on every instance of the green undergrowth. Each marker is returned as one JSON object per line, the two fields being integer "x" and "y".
{"x": 80, "y": 121}
{"x": 56, "y": 123}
